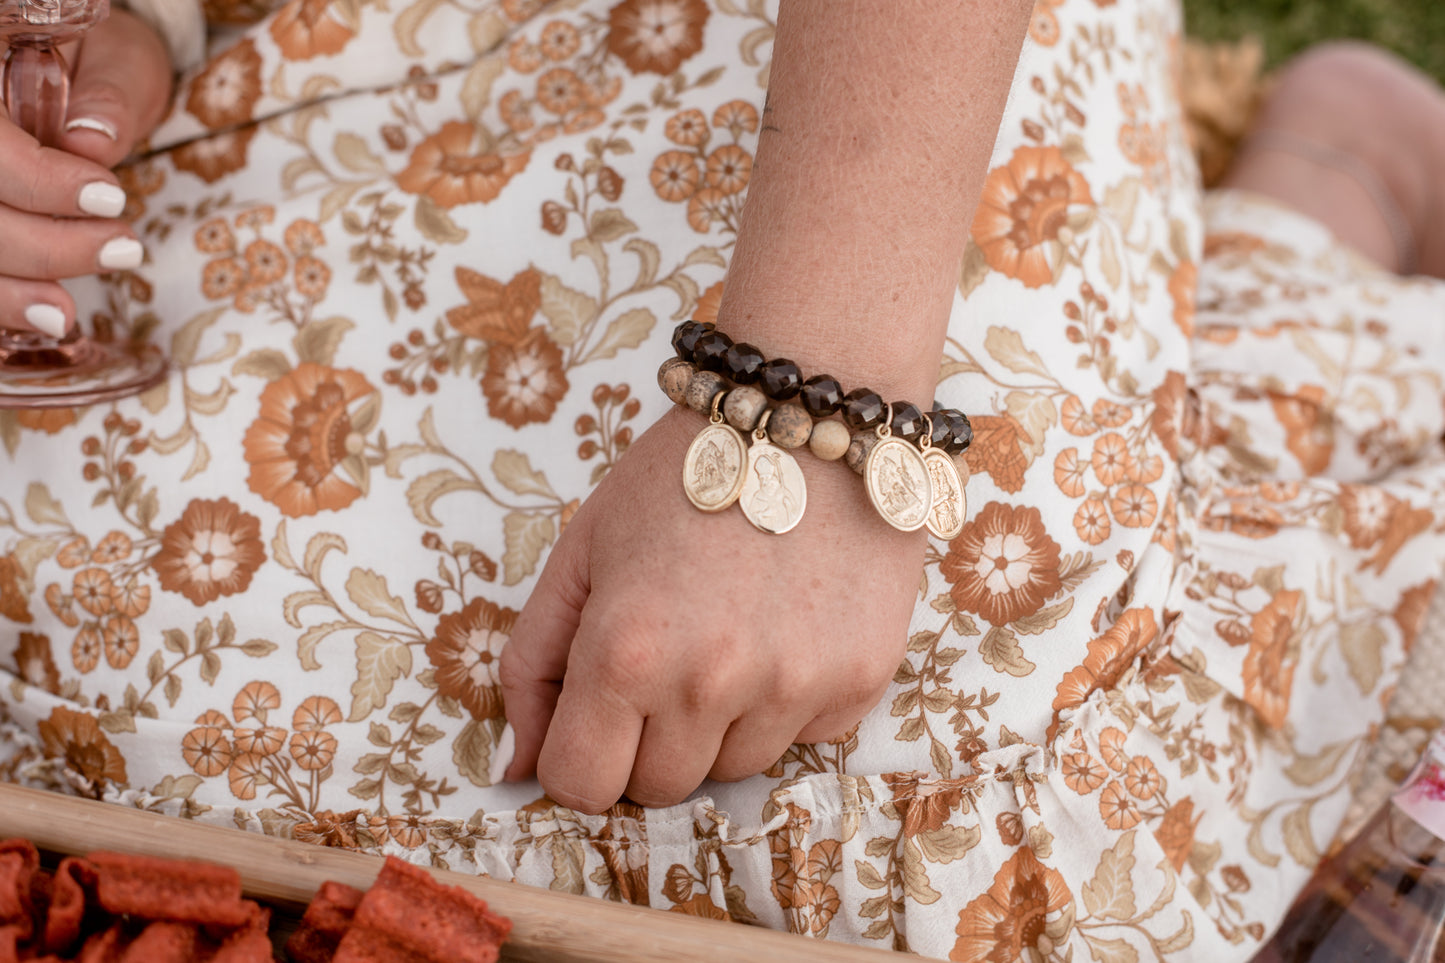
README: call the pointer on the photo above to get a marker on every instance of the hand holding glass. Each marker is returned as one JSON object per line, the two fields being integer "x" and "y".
{"x": 36, "y": 370}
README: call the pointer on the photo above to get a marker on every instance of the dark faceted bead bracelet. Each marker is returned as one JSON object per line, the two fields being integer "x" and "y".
{"x": 702, "y": 345}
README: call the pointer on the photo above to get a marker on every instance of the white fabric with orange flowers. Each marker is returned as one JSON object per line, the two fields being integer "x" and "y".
{"x": 416, "y": 266}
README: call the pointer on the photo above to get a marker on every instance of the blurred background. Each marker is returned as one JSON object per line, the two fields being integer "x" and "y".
{"x": 1413, "y": 28}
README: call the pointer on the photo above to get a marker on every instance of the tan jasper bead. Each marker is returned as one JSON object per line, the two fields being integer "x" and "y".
{"x": 672, "y": 378}
{"x": 790, "y": 425}
{"x": 701, "y": 388}
{"x": 829, "y": 440}
{"x": 744, "y": 406}
{"x": 859, "y": 448}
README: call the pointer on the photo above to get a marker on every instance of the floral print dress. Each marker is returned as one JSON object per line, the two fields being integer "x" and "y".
{"x": 416, "y": 265}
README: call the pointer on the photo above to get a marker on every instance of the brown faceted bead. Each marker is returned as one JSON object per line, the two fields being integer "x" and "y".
{"x": 790, "y": 425}
{"x": 701, "y": 389}
{"x": 829, "y": 440}
{"x": 673, "y": 377}
{"x": 858, "y": 448}
{"x": 742, "y": 363}
{"x": 685, "y": 337}
{"x": 960, "y": 432}
{"x": 863, "y": 409}
{"x": 710, "y": 352}
{"x": 907, "y": 420}
{"x": 822, "y": 395}
{"x": 780, "y": 379}
{"x": 942, "y": 428}
{"x": 744, "y": 406}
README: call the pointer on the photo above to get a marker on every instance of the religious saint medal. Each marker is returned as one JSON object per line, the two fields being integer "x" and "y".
{"x": 897, "y": 482}
{"x": 945, "y": 517}
{"x": 774, "y": 491}
{"x": 713, "y": 471}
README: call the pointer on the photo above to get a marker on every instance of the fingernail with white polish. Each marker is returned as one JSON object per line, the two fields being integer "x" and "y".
{"x": 47, "y": 318}
{"x": 92, "y": 123}
{"x": 121, "y": 254}
{"x": 101, "y": 199}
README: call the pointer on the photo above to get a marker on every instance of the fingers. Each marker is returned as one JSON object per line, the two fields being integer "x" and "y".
{"x": 120, "y": 90}
{"x": 42, "y": 180}
{"x": 55, "y": 249}
{"x": 535, "y": 659}
{"x": 673, "y": 758}
{"x": 591, "y": 745}
{"x": 42, "y": 306}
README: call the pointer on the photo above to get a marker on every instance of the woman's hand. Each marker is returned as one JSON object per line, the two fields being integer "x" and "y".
{"x": 58, "y": 206}
{"x": 663, "y": 646}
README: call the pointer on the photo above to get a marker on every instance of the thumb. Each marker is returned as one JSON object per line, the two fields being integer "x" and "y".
{"x": 120, "y": 90}
{"x": 535, "y": 659}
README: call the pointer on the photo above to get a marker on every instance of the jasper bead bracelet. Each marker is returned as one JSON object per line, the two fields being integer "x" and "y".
{"x": 903, "y": 454}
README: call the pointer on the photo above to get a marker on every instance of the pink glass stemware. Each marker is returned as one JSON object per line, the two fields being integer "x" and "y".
{"x": 38, "y": 371}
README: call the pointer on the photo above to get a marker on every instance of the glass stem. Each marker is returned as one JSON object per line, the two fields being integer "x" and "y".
{"x": 37, "y": 88}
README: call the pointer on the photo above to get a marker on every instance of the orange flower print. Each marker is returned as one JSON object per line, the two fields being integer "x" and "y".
{"x": 303, "y": 236}
{"x": 1367, "y": 512}
{"x": 998, "y": 449}
{"x": 206, "y": 750}
{"x": 255, "y": 700}
{"x": 114, "y": 547}
{"x": 76, "y": 738}
{"x": 304, "y": 29}
{"x": 559, "y": 40}
{"x": 226, "y": 92}
{"x": 121, "y": 640}
{"x": 675, "y": 175}
{"x": 1069, "y": 472}
{"x": 452, "y": 168}
{"x": 728, "y": 168}
{"x": 59, "y": 603}
{"x": 266, "y": 262}
{"x": 1083, "y": 773}
{"x": 1003, "y": 565}
{"x": 1110, "y": 459}
{"x": 1111, "y": 748}
{"x": 524, "y": 56}
{"x": 74, "y": 553}
{"x": 1308, "y": 425}
{"x": 1142, "y": 778}
{"x": 466, "y": 653}
{"x": 14, "y": 600}
{"x": 708, "y": 303}
{"x": 85, "y": 650}
{"x": 315, "y": 712}
{"x": 1175, "y": 832}
{"x": 260, "y": 740}
{"x": 559, "y": 90}
{"x": 215, "y": 237}
{"x": 246, "y": 773}
{"x": 35, "y": 663}
{"x": 211, "y": 551}
{"x": 1409, "y": 613}
{"x": 1043, "y": 24}
{"x": 524, "y": 382}
{"x": 922, "y": 809}
{"x": 49, "y": 420}
{"x": 495, "y": 312}
{"x": 656, "y": 36}
{"x": 301, "y": 436}
{"x": 1117, "y": 808}
{"x": 1111, "y": 414}
{"x": 222, "y": 278}
{"x": 1020, "y": 917}
{"x": 1134, "y": 506}
{"x": 1183, "y": 286}
{"x": 1024, "y": 204}
{"x": 1076, "y": 418}
{"x": 1269, "y": 664}
{"x": 313, "y": 750}
{"x": 737, "y": 117}
{"x": 688, "y": 128}
{"x": 132, "y": 599}
{"x": 212, "y": 158}
{"x": 1146, "y": 470}
{"x": 1107, "y": 657}
{"x": 92, "y": 590}
{"x": 704, "y": 207}
{"x": 1091, "y": 521}
{"x": 312, "y": 277}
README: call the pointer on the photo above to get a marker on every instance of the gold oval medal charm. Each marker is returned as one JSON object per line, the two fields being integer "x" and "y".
{"x": 774, "y": 490}
{"x": 897, "y": 482}
{"x": 945, "y": 517}
{"x": 712, "y": 472}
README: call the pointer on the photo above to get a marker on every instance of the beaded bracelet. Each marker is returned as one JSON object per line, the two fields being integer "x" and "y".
{"x": 909, "y": 486}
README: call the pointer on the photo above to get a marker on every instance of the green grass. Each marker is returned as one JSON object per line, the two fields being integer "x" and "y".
{"x": 1414, "y": 29}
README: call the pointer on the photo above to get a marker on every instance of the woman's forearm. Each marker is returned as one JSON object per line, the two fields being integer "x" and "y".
{"x": 875, "y": 142}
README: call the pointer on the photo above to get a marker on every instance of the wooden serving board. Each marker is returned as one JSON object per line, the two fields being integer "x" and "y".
{"x": 547, "y": 927}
